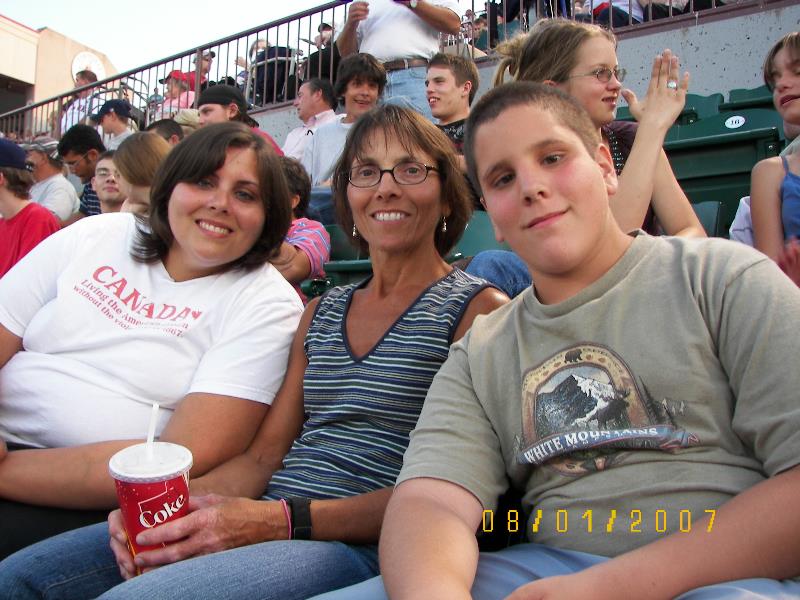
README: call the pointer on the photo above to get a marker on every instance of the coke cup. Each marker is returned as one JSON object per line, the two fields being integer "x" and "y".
{"x": 152, "y": 486}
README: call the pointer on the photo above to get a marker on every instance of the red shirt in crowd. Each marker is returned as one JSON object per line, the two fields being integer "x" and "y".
{"x": 21, "y": 233}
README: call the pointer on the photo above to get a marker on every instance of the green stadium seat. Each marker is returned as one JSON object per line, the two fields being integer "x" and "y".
{"x": 478, "y": 236}
{"x": 741, "y": 98}
{"x": 697, "y": 107}
{"x": 712, "y": 158}
{"x": 709, "y": 213}
{"x": 341, "y": 247}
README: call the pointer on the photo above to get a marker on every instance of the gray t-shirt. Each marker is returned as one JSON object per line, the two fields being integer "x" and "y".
{"x": 626, "y": 412}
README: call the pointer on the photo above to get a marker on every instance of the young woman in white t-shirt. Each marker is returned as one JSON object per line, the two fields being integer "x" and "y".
{"x": 119, "y": 311}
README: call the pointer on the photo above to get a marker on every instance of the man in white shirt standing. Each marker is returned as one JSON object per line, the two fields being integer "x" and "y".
{"x": 52, "y": 190}
{"x": 403, "y": 35}
{"x": 315, "y": 104}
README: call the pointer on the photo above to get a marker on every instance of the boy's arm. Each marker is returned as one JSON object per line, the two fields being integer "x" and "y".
{"x": 292, "y": 263}
{"x": 428, "y": 546}
{"x": 756, "y": 534}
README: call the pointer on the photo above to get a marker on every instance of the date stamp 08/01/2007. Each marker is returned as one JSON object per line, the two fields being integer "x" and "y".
{"x": 633, "y": 521}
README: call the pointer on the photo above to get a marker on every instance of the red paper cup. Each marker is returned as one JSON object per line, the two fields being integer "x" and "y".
{"x": 151, "y": 489}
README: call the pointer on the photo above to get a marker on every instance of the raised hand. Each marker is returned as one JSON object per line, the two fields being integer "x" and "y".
{"x": 666, "y": 94}
{"x": 358, "y": 11}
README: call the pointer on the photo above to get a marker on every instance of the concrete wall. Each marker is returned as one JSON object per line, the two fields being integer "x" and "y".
{"x": 54, "y": 63}
{"x": 720, "y": 55}
{"x": 17, "y": 50}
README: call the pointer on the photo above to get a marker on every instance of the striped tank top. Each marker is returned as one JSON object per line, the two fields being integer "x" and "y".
{"x": 360, "y": 411}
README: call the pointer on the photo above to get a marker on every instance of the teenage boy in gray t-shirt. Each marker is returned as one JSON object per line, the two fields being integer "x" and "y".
{"x": 642, "y": 397}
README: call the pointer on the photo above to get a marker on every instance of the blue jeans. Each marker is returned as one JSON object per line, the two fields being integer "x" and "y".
{"x": 503, "y": 268}
{"x": 500, "y": 573}
{"x": 79, "y": 565}
{"x": 320, "y": 206}
{"x": 406, "y": 88}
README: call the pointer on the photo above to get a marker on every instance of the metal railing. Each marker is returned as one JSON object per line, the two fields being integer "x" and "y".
{"x": 269, "y": 62}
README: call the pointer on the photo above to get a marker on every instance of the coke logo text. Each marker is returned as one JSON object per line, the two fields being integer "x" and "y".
{"x": 150, "y": 519}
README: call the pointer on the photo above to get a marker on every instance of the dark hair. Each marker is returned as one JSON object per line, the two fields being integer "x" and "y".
{"x": 415, "y": 133}
{"x": 323, "y": 85}
{"x": 80, "y": 139}
{"x": 87, "y": 75}
{"x": 463, "y": 70}
{"x": 791, "y": 41}
{"x": 361, "y": 67}
{"x": 166, "y": 128}
{"x": 563, "y": 107}
{"x": 299, "y": 183}
{"x": 107, "y": 154}
{"x": 139, "y": 156}
{"x": 198, "y": 156}
{"x": 19, "y": 181}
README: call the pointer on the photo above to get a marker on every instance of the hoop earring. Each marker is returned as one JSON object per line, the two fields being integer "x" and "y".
{"x": 444, "y": 225}
{"x": 355, "y": 231}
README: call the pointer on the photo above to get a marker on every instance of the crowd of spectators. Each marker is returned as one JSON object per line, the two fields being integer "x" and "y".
{"x": 166, "y": 265}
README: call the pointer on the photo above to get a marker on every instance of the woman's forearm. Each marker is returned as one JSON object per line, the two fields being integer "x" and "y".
{"x": 75, "y": 477}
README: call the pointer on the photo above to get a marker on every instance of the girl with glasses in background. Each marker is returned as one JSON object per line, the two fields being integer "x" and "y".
{"x": 581, "y": 60}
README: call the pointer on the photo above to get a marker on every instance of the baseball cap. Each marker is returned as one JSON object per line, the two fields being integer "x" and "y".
{"x": 223, "y": 94}
{"x": 44, "y": 144}
{"x": 121, "y": 108}
{"x": 176, "y": 74}
{"x": 12, "y": 155}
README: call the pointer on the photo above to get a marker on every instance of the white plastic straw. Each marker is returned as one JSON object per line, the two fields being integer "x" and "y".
{"x": 151, "y": 431}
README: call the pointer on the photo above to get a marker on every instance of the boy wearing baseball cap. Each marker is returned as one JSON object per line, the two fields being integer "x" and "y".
{"x": 113, "y": 117}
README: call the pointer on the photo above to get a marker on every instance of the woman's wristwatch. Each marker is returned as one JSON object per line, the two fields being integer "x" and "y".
{"x": 301, "y": 517}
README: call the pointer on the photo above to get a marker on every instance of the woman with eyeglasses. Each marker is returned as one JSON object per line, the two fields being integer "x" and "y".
{"x": 322, "y": 465}
{"x": 581, "y": 60}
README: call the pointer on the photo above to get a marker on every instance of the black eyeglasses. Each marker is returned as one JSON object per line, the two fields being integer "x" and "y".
{"x": 404, "y": 173}
{"x": 604, "y": 74}
{"x": 72, "y": 163}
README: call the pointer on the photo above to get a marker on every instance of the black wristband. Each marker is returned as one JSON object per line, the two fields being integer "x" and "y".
{"x": 301, "y": 518}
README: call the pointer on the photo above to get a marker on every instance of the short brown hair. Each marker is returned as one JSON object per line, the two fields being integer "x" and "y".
{"x": 19, "y": 181}
{"x": 299, "y": 183}
{"x": 139, "y": 156}
{"x": 548, "y": 51}
{"x": 463, "y": 70}
{"x": 413, "y": 132}
{"x": 359, "y": 67}
{"x": 791, "y": 41}
{"x": 563, "y": 107}
{"x": 198, "y": 156}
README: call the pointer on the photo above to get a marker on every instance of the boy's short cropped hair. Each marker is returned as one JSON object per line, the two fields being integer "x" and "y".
{"x": 791, "y": 41}
{"x": 463, "y": 70}
{"x": 524, "y": 93}
{"x": 299, "y": 183}
{"x": 359, "y": 67}
{"x": 166, "y": 128}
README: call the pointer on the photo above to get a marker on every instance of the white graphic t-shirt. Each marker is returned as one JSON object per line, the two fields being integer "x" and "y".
{"x": 106, "y": 336}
